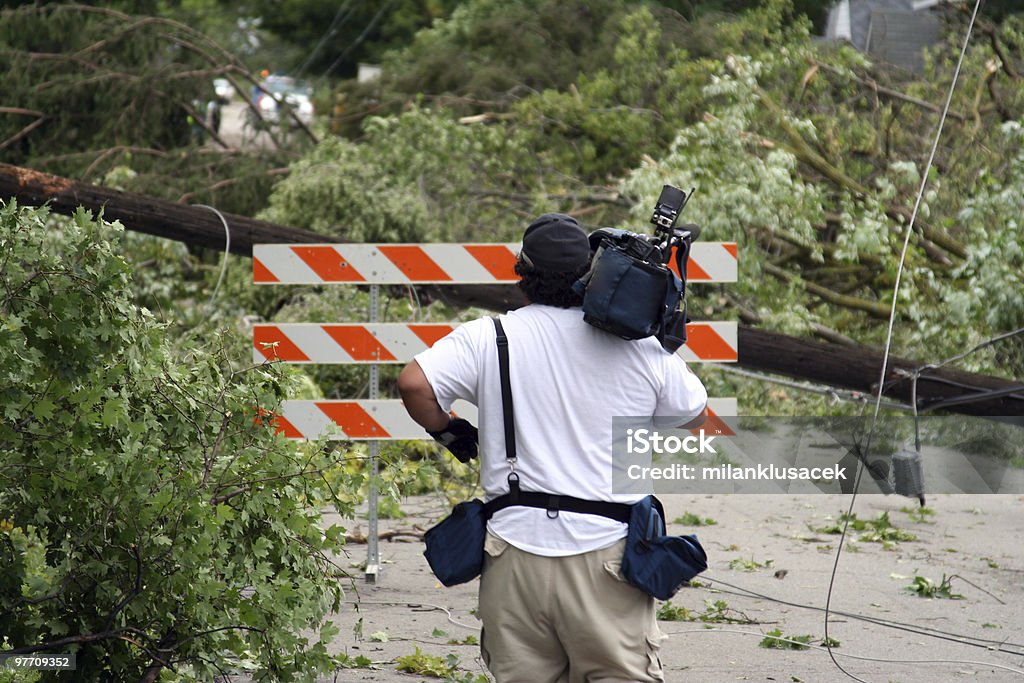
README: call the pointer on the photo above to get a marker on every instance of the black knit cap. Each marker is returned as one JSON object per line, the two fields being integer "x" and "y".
{"x": 555, "y": 243}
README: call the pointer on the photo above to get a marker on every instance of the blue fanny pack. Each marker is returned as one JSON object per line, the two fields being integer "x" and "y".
{"x": 455, "y": 546}
{"x": 656, "y": 563}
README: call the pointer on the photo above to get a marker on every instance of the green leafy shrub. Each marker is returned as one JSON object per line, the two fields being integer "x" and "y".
{"x": 153, "y": 517}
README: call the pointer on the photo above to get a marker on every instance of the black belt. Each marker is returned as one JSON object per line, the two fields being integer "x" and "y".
{"x": 554, "y": 504}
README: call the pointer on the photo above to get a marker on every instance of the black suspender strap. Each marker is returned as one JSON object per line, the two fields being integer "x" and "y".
{"x": 506, "y": 390}
{"x": 552, "y": 503}
{"x": 506, "y": 408}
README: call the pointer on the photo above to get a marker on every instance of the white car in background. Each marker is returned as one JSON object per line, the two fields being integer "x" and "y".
{"x": 289, "y": 92}
{"x": 223, "y": 89}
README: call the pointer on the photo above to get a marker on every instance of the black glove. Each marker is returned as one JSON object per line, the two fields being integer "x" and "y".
{"x": 459, "y": 437}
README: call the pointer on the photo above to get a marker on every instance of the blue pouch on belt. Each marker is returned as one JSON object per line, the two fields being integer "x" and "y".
{"x": 455, "y": 546}
{"x": 653, "y": 562}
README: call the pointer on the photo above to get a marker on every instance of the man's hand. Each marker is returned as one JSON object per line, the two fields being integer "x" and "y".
{"x": 459, "y": 437}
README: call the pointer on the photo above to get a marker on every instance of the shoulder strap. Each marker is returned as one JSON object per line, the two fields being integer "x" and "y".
{"x": 506, "y": 392}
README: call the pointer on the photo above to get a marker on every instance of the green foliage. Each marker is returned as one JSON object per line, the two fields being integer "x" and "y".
{"x": 334, "y": 38}
{"x": 919, "y": 514}
{"x": 793, "y": 155}
{"x": 877, "y": 530}
{"x": 10, "y": 674}
{"x": 669, "y": 612}
{"x": 490, "y": 50}
{"x": 610, "y": 118}
{"x": 741, "y": 564}
{"x": 586, "y": 108}
{"x": 114, "y": 99}
{"x": 427, "y": 665}
{"x": 994, "y": 269}
{"x": 691, "y": 519}
{"x": 358, "y": 662}
{"x": 468, "y": 640}
{"x": 785, "y": 162}
{"x": 417, "y": 177}
{"x": 94, "y": 87}
{"x": 774, "y": 640}
{"x": 151, "y": 508}
{"x": 923, "y": 587}
{"x": 715, "y": 612}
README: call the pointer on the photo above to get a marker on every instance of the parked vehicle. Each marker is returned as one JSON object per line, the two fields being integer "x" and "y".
{"x": 280, "y": 92}
{"x": 223, "y": 89}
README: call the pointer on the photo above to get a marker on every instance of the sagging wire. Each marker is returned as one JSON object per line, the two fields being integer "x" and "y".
{"x": 881, "y": 622}
{"x": 889, "y": 334}
{"x": 850, "y": 396}
{"x": 227, "y": 250}
{"x": 981, "y": 394}
{"x": 834, "y": 394}
{"x": 974, "y": 398}
{"x": 979, "y": 347}
{"x": 859, "y": 397}
{"x": 927, "y": 631}
{"x": 864, "y": 658}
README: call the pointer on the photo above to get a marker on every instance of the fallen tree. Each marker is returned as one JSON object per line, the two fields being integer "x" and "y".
{"x": 835, "y": 365}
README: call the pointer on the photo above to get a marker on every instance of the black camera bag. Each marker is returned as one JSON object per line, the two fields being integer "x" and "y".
{"x": 632, "y": 297}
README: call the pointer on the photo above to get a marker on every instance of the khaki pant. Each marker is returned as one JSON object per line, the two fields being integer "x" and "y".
{"x": 565, "y": 619}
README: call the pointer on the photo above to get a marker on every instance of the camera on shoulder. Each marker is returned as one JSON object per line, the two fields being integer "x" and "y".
{"x": 629, "y": 290}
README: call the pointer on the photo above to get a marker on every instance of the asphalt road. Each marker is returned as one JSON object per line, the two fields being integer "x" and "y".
{"x": 773, "y": 551}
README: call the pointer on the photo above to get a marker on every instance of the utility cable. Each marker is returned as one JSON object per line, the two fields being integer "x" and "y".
{"x": 974, "y": 398}
{"x": 227, "y": 250}
{"x": 340, "y": 17}
{"x": 833, "y": 393}
{"x": 362, "y": 36}
{"x": 981, "y": 395}
{"x": 865, "y": 658}
{"x": 927, "y": 631}
{"x": 889, "y": 333}
{"x": 979, "y": 347}
{"x": 398, "y": 603}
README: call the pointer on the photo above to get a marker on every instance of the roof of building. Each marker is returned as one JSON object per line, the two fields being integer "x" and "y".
{"x": 889, "y": 30}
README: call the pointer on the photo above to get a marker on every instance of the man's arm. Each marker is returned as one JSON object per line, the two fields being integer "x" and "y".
{"x": 420, "y": 401}
{"x": 454, "y": 433}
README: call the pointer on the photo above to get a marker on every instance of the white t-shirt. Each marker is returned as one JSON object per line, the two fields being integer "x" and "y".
{"x": 568, "y": 380}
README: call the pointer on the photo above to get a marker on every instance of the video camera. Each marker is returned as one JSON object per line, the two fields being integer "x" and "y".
{"x": 629, "y": 290}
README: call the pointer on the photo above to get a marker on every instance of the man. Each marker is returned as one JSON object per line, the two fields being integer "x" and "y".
{"x": 553, "y": 604}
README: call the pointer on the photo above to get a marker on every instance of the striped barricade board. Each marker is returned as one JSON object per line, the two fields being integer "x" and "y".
{"x": 386, "y": 419}
{"x": 399, "y": 342}
{"x": 406, "y": 264}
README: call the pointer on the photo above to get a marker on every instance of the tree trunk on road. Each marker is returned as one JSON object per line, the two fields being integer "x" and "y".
{"x": 830, "y": 364}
